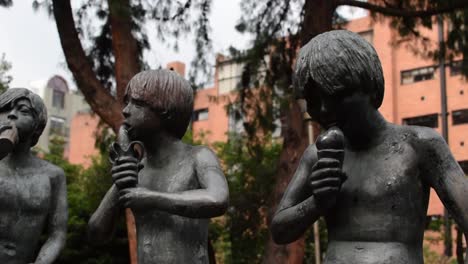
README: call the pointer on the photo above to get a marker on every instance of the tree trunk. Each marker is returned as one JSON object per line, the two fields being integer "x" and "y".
{"x": 98, "y": 97}
{"x": 124, "y": 44}
{"x": 295, "y": 142}
{"x": 317, "y": 19}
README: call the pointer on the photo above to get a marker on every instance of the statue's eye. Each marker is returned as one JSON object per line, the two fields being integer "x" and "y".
{"x": 139, "y": 103}
{"x": 24, "y": 110}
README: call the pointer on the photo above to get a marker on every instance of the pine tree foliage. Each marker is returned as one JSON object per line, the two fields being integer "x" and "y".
{"x": 5, "y": 78}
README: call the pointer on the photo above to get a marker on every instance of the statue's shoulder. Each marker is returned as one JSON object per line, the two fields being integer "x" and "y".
{"x": 419, "y": 135}
{"x": 203, "y": 155}
{"x": 52, "y": 170}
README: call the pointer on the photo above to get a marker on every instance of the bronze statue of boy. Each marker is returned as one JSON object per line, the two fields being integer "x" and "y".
{"x": 33, "y": 194}
{"x": 179, "y": 186}
{"x": 375, "y": 199}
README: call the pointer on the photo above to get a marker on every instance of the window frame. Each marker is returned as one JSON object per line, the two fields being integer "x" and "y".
{"x": 436, "y": 115}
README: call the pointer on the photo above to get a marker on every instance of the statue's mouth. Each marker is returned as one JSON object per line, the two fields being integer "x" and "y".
{"x": 127, "y": 127}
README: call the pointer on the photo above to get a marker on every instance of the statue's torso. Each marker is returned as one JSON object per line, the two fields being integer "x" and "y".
{"x": 24, "y": 204}
{"x": 380, "y": 212}
{"x": 164, "y": 237}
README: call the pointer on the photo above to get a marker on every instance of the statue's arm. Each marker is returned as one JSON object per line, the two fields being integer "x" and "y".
{"x": 102, "y": 224}
{"x": 209, "y": 200}
{"x": 443, "y": 173}
{"x": 297, "y": 209}
{"x": 57, "y": 220}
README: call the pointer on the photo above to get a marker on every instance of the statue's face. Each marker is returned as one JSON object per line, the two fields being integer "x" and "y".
{"x": 22, "y": 115}
{"x": 140, "y": 120}
{"x": 339, "y": 109}
{"x": 322, "y": 107}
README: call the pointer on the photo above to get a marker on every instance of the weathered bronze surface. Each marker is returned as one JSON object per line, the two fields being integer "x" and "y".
{"x": 375, "y": 198}
{"x": 176, "y": 187}
{"x": 33, "y": 194}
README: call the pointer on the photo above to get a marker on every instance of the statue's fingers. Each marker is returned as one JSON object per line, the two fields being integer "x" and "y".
{"x": 125, "y": 159}
{"x": 325, "y": 173}
{"x": 123, "y": 174}
{"x": 124, "y": 199}
{"x": 124, "y": 166}
{"x": 328, "y": 182}
{"x": 126, "y": 182}
{"x": 326, "y": 163}
{"x": 326, "y": 191}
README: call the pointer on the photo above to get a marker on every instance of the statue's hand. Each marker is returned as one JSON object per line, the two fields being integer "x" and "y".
{"x": 125, "y": 172}
{"x": 325, "y": 181}
{"x": 135, "y": 198}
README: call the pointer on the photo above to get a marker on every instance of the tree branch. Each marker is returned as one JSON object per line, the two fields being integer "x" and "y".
{"x": 124, "y": 44}
{"x": 180, "y": 11}
{"x": 392, "y": 11}
{"x": 99, "y": 98}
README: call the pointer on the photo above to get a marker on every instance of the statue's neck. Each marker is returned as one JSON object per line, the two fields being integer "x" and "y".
{"x": 21, "y": 154}
{"x": 161, "y": 145}
{"x": 364, "y": 129}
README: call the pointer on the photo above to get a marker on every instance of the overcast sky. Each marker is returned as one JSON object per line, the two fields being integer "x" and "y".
{"x": 30, "y": 41}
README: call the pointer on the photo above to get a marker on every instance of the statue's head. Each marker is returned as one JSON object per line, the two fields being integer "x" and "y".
{"x": 158, "y": 100}
{"x": 337, "y": 64}
{"x": 27, "y": 110}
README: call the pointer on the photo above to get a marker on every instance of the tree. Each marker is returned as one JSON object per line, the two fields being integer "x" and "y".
{"x": 5, "y": 79}
{"x": 114, "y": 39}
{"x": 248, "y": 169}
{"x": 280, "y": 28}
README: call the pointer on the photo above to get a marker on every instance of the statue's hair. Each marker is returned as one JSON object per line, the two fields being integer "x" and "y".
{"x": 166, "y": 92}
{"x": 340, "y": 62}
{"x": 12, "y": 95}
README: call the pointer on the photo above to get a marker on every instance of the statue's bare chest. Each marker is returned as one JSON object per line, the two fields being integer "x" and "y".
{"x": 382, "y": 175}
{"x": 384, "y": 194}
{"x": 25, "y": 191}
{"x": 172, "y": 176}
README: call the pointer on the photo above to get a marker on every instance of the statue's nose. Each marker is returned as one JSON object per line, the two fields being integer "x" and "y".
{"x": 12, "y": 115}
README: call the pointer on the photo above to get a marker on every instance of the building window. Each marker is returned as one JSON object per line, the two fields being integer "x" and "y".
{"x": 236, "y": 121}
{"x": 464, "y": 166}
{"x": 460, "y": 116}
{"x": 58, "y": 99}
{"x": 229, "y": 76}
{"x": 426, "y": 120}
{"x": 199, "y": 115}
{"x": 455, "y": 68}
{"x": 57, "y": 126}
{"x": 417, "y": 75}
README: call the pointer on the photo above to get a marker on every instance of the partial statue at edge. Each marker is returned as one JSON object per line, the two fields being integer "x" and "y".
{"x": 369, "y": 178}
{"x": 33, "y": 194}
{"x": 175, "y": 188}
